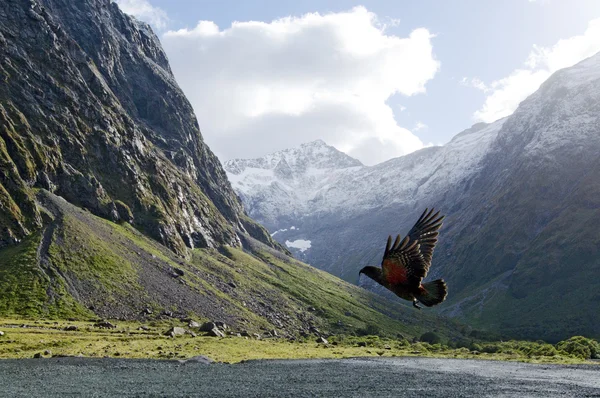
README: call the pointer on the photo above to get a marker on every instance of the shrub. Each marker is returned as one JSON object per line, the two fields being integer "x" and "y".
{"x": 580, "y": 347}
{"x": 369, "y": 330}
{"x": 431, "y": 338}
{"x": 491, "y": 348}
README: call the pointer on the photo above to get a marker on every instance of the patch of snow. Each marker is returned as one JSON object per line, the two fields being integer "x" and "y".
{"x": 300, "y": 244}
{"x": 279, "y": 230}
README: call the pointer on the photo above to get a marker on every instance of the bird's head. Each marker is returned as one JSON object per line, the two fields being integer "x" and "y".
{"x": 372, "y": 272}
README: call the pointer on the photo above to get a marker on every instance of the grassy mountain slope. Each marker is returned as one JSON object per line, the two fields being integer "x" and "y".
{"x": 83, "y": 266}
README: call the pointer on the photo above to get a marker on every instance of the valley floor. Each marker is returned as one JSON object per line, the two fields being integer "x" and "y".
{"x": 44, "y": 339}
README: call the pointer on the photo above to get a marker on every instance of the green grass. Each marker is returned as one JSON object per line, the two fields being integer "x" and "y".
{"x": 76, "y": 250}
{"x": 28, "y": 290}
{"x": 24, "y": 339}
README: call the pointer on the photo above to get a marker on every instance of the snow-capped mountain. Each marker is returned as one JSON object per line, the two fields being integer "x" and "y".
{"x": 316, "y": 178}
{"x": 291, "y": 190}
{"x": 520, "y": 244}
{"x": 281, "y": 185}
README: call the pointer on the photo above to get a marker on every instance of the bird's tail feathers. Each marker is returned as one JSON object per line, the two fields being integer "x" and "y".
{"x": 432, "y": 293}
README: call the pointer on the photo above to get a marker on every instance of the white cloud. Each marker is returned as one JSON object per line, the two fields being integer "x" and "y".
{"x": 475, "y": 82}
{"x": 506, "y": 94}
{"x": 259, "y": 87}
{"x": 144, "y": 11}
{"x": 420, "y": 126}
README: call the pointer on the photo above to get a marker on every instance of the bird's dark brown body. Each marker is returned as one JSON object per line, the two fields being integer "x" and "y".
{"x": 407, "y": 261}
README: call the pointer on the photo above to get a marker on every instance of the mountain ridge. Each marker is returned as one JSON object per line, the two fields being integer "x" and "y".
{"x": 520, "y": 196}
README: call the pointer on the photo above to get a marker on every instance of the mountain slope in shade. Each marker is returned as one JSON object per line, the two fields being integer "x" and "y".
{"x": 519, "y": 247}
{"x": 524, "y": 245}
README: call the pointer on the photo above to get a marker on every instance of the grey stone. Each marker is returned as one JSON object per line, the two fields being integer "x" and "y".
{"x": 105, "y": 325}
{"x": 221, "y": 325}
{"x": 215, "y": 333}
{"x": 207, "y": 326}
{"x": 201, "y": 359}
{"x": 175, "y": 331}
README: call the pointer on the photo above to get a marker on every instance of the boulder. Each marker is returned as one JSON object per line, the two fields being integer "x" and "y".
{"x": 201, "y": 359}
{"x": 207, "y": 326}
{"x": 215, "y": 333}
{"x": 322, "y": 340}
{"x": 221, "y": 325}
{"x": 71, "y": 328}
{"x": 175, "y": 331}
{"x": 105, "y": 325}
{"x": 193, "y": 324}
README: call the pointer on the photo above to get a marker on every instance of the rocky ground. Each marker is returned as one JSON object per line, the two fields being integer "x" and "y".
{"x": 390, "y": 377}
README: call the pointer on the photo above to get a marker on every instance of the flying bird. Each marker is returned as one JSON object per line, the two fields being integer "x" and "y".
{"x": 407, "y": 261}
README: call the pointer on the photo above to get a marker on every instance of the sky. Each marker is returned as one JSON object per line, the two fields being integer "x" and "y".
{"x": 376, "y": 79}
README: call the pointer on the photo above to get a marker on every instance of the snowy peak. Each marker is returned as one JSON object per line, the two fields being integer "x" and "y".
{"x": 296, "y": 161}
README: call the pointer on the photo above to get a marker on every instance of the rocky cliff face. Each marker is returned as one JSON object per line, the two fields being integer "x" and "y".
{"x": 89, "y": 110}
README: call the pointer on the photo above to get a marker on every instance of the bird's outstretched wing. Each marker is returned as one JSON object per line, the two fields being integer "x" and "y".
{"x": 425, "y": 231}
{"x": 403, "y": 262}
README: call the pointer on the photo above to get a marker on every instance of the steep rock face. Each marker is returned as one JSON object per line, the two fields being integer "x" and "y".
{"x": 89, "y": 110}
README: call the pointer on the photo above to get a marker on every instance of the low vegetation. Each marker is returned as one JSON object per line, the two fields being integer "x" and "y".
{"x": 135, "y": 340}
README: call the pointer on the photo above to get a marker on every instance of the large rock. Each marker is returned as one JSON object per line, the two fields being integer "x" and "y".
{"x": 105, "y": 325}
{"x": 175, "y": 331}
{"x": 200, "y": 359}
{"x": 215, "y": 333}
{"x": 207, "y": 326}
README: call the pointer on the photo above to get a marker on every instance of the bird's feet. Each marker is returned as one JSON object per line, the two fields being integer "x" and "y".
{"x": 416, "y": 305}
